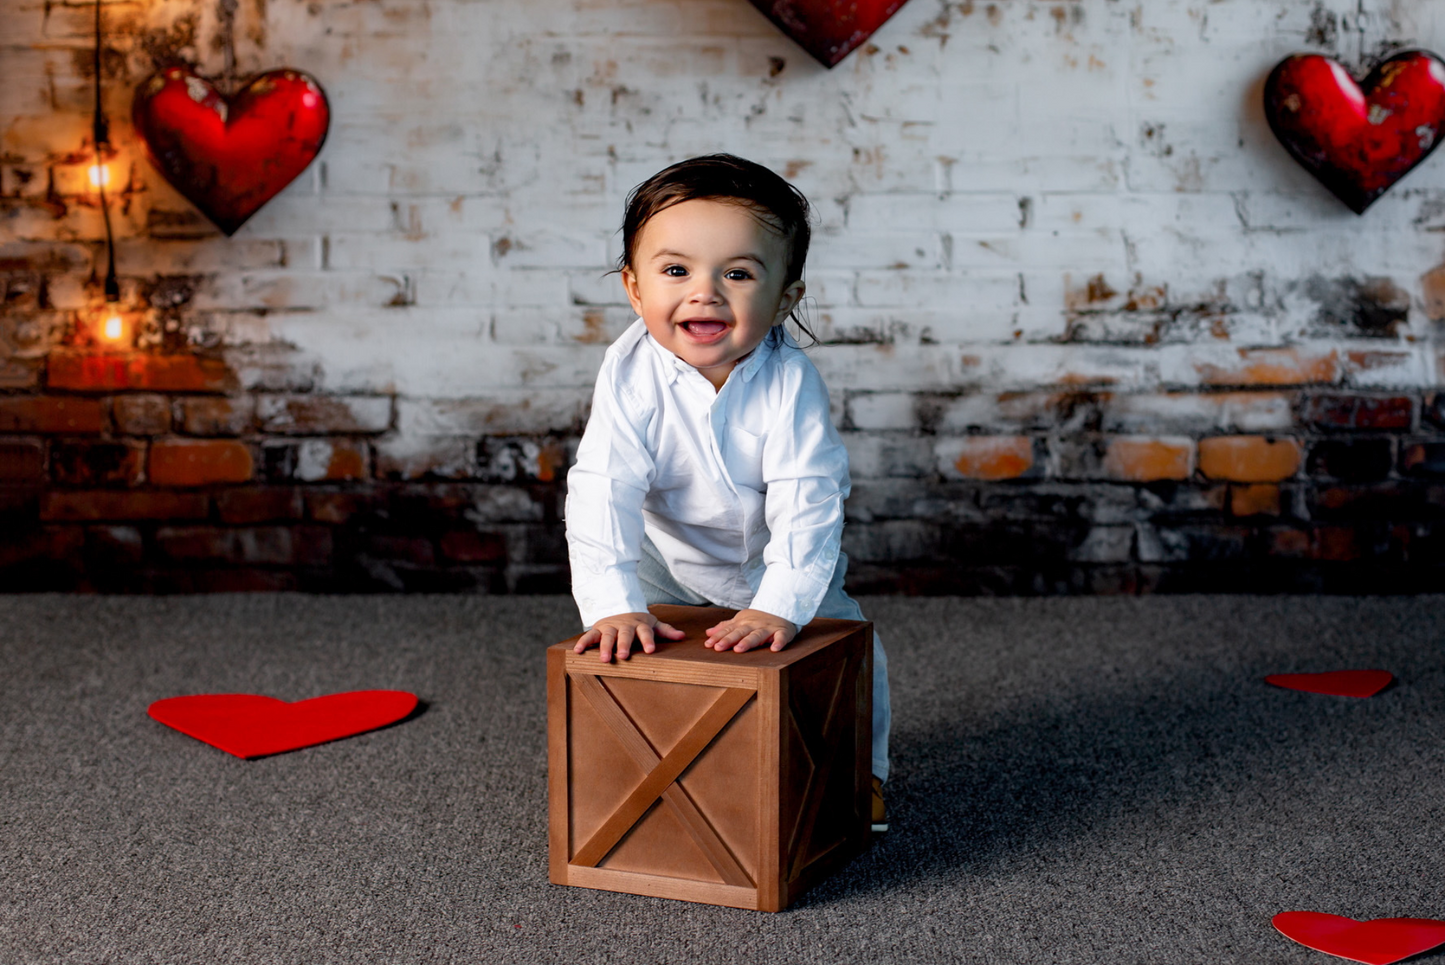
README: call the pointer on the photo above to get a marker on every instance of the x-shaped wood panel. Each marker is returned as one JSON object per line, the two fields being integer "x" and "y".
{"x": 662, "y": 774}
{"x": 823, "y": 749}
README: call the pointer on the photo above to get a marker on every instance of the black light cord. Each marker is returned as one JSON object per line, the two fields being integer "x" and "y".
{"x": 101, "y": 130}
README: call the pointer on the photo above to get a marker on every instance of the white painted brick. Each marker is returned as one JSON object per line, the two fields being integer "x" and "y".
{"x": 294, "y": 290}
{"x": 883, "y": 410}
{"x": 1190, "y": 412}
{"x": 959, "y": 214}
{"x": 1017, "y": 367}
{"x": 504, "y": 412}
{"x": 966, "y": 295}
{"x": 877, "y": 249}
{"x": 561, "y": 326}
{"x": 451, "y": 242}
{"x": 472, "y": 287}
{"x": 884, "y": 366}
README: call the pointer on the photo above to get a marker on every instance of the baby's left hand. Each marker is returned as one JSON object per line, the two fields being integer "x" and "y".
{"x": 751, "y": 629}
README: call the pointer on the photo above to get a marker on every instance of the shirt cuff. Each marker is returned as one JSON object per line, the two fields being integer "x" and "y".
{"x": 613, "y": 591}
{"x": 789, "y": 594}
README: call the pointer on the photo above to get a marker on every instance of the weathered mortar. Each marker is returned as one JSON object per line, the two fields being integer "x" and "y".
{"x": 1087, "y": 327}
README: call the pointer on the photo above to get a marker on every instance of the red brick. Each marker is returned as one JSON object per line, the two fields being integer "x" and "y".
{"x": 993, "y": 457}
{"x": 323, "y": 414}
{"x": 1273, "y": 366}
{"x": 110, "y": 372}
{"x": 22, "y": 461}
{"x": 1255, "y": 500}
{"x": 1432, "y": 290}
{"x": 194, "y": 542}
{"x": 1290, "y": 542}
{"x": 550, "y": 459}
{"x": 98, "y": 505}
{"x": 349, "y": 460}
{"x": 20, "y": 373}
{"x": 142, "y": 415}
{"x": 1339, "y": 544}
{"x": 48, "y": 413}
{"x": 332, "y": 507}
{"x": 195, "y": 462}
{"x": 332, "y": 460}
{"x": 47, "y": 543}
{"x": 217, "y": 416}
{"x": 470, "y": 546}
{"x": 271, "y": 545}
{"x": 1248, "y": 458}
{"x": 1142, "y": 459}
{"x": 1360, "y": 412}
{"x": 257, "y": 505}
{"x": 97, "y": 463}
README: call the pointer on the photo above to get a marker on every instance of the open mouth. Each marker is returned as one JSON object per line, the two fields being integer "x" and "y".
{"x": 700, "y": 329}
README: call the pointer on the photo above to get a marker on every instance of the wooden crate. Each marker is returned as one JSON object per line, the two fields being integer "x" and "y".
{"x": 725, "y": 778}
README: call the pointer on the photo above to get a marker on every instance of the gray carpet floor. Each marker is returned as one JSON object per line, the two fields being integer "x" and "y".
{"x": 1075, "y": 781}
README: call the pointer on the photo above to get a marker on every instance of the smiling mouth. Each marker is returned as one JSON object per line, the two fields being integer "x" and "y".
{"x": 701, "y": 329}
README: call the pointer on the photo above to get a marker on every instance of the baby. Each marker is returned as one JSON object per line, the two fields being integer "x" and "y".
{"x": 710, "y": 473}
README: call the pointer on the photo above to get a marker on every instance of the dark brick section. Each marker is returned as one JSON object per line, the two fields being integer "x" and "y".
{"x": 391, "y": 538}
{"x": 174, "y": 482}
{"x": 1352, "y": 460}
{"x": 1359, "y": 412}
{"x": 1424, "y": 459}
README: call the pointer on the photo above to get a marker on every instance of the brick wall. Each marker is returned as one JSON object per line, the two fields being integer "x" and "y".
{"x": 1087, "y": 327}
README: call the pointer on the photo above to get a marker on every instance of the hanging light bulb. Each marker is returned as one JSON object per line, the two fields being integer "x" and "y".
{"x": 113, "y": 328}
{"x": 99, "y": 175}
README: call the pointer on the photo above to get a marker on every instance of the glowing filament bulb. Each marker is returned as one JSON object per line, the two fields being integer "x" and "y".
{"x": 113, "y": 328}
{"x": 99, "y": 176}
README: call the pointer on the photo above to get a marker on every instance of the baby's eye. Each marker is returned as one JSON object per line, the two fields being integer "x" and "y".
{"x": 669, "y": 268}
{"x": 745, "y": 275}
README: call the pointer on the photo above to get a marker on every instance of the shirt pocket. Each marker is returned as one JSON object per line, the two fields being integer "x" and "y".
{"x": 743, "y": 457}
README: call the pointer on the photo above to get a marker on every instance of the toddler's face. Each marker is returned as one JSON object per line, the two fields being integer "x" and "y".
{"x": 707, "y": 279}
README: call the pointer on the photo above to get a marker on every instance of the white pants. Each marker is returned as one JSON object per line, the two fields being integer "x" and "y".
{"x": 659, "y": 586}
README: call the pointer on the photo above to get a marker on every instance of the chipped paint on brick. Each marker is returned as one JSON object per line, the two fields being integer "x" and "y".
{"x": 1043, "y": 296}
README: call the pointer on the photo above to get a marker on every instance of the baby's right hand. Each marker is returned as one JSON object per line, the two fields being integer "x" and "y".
{"x": 617, "y": 632}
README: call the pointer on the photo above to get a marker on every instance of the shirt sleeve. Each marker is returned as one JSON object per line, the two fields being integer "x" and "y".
{"x": 605, "y": 489}
{"x": 805, "y": 467}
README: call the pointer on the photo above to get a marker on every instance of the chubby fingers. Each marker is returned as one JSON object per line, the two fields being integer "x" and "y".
{"x": 739, "y": 639}
{"x": 587, "y": 639}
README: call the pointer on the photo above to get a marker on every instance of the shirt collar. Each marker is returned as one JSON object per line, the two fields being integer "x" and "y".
{"x": 748, "y": 366}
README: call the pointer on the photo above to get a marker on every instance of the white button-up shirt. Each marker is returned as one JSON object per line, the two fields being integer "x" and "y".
{"x": 741, "y": 490}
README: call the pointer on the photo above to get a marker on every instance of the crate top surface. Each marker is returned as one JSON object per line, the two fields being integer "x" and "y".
{"x": 689, "y": 651}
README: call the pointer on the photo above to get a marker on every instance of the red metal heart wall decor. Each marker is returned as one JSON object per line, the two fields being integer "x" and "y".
{"x": 230, "y": 155}
{"x": 828, "y": 29}
{"x": 1357, "y": 139}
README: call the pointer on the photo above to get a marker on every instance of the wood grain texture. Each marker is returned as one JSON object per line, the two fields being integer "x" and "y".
{"x": 661, "y": 774}
{"x": 803, "y": 760}
{"x": 557, "y": 783}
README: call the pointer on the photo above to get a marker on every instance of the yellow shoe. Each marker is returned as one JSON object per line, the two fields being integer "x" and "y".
{"x": 880, "y": 813}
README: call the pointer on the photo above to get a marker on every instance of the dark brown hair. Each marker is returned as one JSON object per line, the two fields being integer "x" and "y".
{"x": 776, "y": 204}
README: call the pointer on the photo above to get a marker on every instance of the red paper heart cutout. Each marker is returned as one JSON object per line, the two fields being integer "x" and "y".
{"x": 1339, "y": 683}
{"x": 249, "y": 725}
{"x": 1377, "y": 942}
{"x": 1357, "y": 142}
{"x": 230, "y": 155}
{"x": 828, "y": 29}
